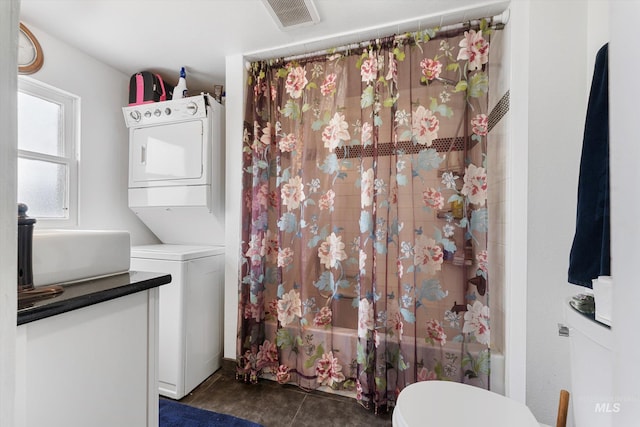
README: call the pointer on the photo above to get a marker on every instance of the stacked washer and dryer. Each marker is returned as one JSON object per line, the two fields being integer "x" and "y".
{"x": 176, "y": 182}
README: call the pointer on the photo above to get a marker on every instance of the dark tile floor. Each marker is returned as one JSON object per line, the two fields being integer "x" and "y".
{"x": 273, "y": 405}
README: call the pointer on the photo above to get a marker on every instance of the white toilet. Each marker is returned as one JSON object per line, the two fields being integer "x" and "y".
{"x": 591, "y": 391}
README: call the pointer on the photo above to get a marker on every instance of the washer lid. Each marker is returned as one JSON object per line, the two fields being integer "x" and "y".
{"x": 175, "y": 252}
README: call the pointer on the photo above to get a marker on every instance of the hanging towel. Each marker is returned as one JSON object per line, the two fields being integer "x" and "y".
{"x": 590, "y": 252}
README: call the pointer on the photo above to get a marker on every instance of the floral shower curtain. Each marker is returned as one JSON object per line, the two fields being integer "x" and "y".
{"x": 364, "y": 262}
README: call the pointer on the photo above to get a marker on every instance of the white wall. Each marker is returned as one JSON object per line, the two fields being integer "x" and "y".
{"x": 235, "y": 84}
{"x": 625, "y": 208}
{"x": 104, "y": 137}
{"x": 516, "y": 177}
{"x": 561, "y": 49}
{"x": 8, "y": 210}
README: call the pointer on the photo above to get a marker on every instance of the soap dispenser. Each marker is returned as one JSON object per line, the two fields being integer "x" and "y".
{"x": 180, "y": 91}
{"x": 25, "y": 238}
{"x": 28, "y": 293}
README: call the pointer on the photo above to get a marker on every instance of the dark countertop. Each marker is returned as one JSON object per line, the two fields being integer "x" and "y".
{"x": 82, "y": 294}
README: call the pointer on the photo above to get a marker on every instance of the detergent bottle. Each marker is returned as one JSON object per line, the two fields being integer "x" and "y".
{"x": 180, "y": 91}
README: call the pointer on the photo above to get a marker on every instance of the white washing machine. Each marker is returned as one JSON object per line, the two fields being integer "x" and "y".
{"x": 190, "y": 313}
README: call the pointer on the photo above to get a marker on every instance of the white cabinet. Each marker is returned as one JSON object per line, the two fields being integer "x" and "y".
{"x": 190, "y": 313}
{"x": 94, "y": 366}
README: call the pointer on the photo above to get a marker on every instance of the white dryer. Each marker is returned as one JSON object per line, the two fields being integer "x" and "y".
{"x": 176, "y": 169}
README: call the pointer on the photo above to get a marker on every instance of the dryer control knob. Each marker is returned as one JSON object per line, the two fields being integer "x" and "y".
{"x": 147, "y": 114}
{"x": 157, "y": 113}
{"x": 135, "y": 115}
{"x": 192, "y": 108}
{"x": 167, "y": 111}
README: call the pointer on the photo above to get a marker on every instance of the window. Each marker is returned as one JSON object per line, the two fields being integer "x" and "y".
{"x": 48, "y": 123}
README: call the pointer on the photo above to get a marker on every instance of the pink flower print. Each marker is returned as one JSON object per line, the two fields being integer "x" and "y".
{"x": 475, "y": 49}
{"x": 253, "y": 311}
{"x": 475, "y": 184}
{"x": 285, "y": 257}
{"x": 331, "y": 251}
{"x": 274, "y": 91}
{"x": 431, "y": 69}
{"x": 362, "y": 260}
{"x": 358, "y": 390}
{"x": 329, "y": 370}
{"x": 393, "y": 195}
{"x": 270, "y": 245}
{"x": 296, "y": 81}
{"x": 482, "y": 260}
{"x": 426, "y": 375}
{"x": 273, "y": 307}
{"x": 337, "y": 130}
{"x": 365, "y": 317}
{"x": 268, "y": 354}
{"x": 392, "y": 74}
{"x": 282, "y": 374}
{"x": 323, "y": 317}
{"x": 288, "y": 143}
{"x": 366, "y": 188}
{"x": 326, "y": 200}
{"x": 266, "y": 134}
{"x": 367, "y": 133}
{"x": 435, "y": 332}
{"x": 329, "y": 85}
{"x": 398, "y": 324}
{"x": 369, "y": 68}
{"x": 289, "y": 306}
{"x": 274, "y": 200}
{"x": 433, "y": 198}
{"x": 259, "y": 87}
{"x": 428, "y": 254}
{"x": 255, "y": 251}
{"x": 480, "y": 124}
{"x": 424, "y": 126}
{"x": 476, "y": 321}
{"x": 261, "y": 197}
{"x": 292, "y": 193}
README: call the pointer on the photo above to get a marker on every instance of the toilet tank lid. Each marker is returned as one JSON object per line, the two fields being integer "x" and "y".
{"x": 588, "y": 326}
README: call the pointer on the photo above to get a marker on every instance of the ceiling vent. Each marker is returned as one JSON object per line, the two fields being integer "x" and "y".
{"x": 290, "y": 14}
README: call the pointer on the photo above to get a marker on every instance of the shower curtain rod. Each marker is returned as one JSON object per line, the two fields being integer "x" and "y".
{"x": 496, "y": 22}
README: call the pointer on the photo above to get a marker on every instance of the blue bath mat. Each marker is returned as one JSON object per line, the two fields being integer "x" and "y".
{"x": 175, "y": 414}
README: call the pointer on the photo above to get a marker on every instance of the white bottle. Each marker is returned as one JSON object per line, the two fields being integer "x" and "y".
{"x": 180, "y": 91}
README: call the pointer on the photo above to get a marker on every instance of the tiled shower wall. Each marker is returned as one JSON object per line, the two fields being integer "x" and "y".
{"x": 498, "y": 183}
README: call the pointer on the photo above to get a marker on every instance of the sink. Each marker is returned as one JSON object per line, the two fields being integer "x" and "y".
{"x": 61, "y": 256}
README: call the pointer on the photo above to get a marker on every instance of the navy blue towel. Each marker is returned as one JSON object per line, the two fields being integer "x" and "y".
{"x": 590, "y": 253}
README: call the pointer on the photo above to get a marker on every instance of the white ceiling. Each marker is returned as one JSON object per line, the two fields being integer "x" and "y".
{"x": 163, "y": 35}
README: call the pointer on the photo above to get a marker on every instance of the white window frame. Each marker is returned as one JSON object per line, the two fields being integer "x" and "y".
{"x": 70, "y": 135}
